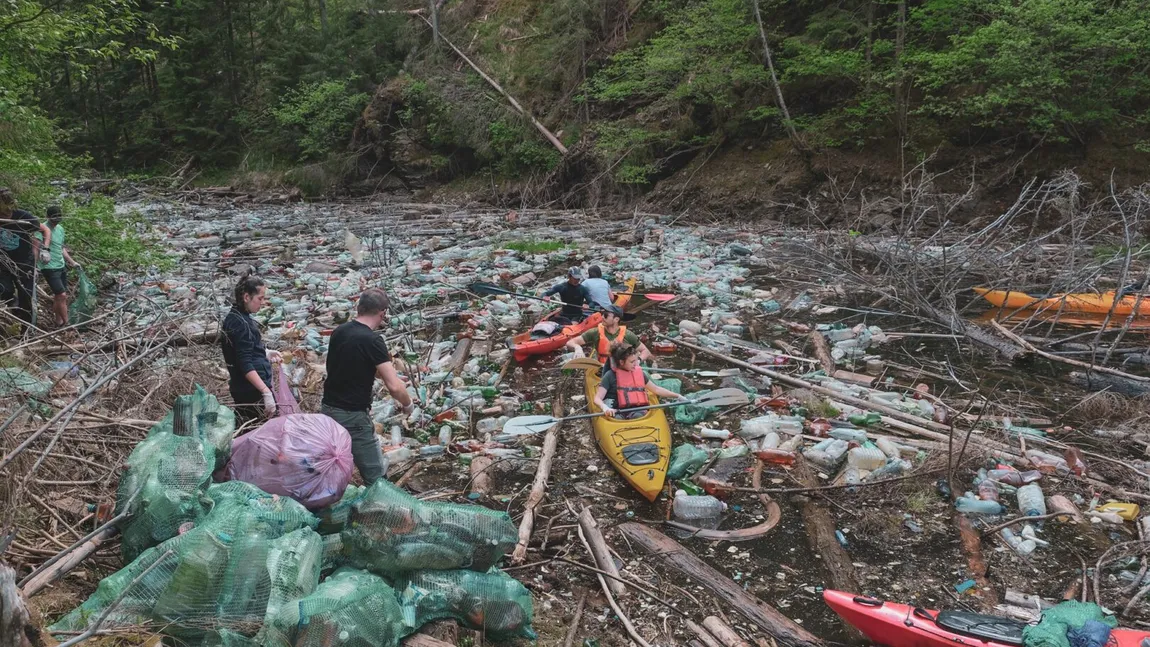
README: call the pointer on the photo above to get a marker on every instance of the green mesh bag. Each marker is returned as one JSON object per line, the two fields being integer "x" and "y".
{"x": 686, "y": 460}
{"x": 390, "y": 532}
{"x": 169, "y": 471}
{"x": 1064, "y": 616}
{"x": 688, "y": 414}
{"x": 492, "y": 602}
{"x": 351, "y": 608}
{"x": 84, "y": 305}
{"x": 247, "y": 558}
{"x": 333, "y": 518}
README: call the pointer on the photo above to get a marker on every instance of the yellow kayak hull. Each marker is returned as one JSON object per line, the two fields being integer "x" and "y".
{"x": 639, "y": 449}
{"x": 1085, "y": 302}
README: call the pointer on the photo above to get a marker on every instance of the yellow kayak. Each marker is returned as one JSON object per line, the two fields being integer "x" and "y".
{"x": 639, "y": 449}
{"x": 1084, "y": 302}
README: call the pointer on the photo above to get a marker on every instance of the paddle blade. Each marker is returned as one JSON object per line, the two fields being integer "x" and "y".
{"x": 722, "y": 398}
{"x": 661, "y": 298}
{"x": 584, "y": 363}
{"x": 488, "y": 289}
{"x": 527, "y": 425}
{"x": 726, "y": 372}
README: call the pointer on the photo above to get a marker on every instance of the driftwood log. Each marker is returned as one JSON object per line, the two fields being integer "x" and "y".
{"x": 784, "y": 630}
{"x": 539, "y": 487}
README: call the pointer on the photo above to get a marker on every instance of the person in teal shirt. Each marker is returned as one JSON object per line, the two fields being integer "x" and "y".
{"x": 54, "y": 268}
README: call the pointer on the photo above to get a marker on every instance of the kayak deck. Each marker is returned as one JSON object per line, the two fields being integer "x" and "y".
{"x": 523, "y": 346}
{"x": 638, "y": 449}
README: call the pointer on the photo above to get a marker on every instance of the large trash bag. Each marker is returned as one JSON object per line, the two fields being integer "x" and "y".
{"x": 390, "y": 532}
{"x": 84, "y": 305}
{"x": 1058, "y": 621}
{"x": 168, "y": 472}
{"x": 351, "y": 608}
{"x": 250, "y": 556}
{"x": 305, "y": 456}
{"x": 286, "y": 404}
{"x": 686, "y": 460}
{"x": 492, "y": 602}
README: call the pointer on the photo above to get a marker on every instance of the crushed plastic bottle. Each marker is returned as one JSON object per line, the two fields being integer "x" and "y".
{"x": 849, "y": 434}
{"x": 1021, "y": 546}
{"x": 970, "y": 504}
{"x": 988, "y": 491}
{"x": 701, "y": 511}
{"x": 893, "y": 468}
{"x": 827, "y": 454}
{"x": 888, "y": 447}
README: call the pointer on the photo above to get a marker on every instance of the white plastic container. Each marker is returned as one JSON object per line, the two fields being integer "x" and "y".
{"x": 866, "y": 458}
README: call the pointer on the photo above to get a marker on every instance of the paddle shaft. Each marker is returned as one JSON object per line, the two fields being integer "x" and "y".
{"x": 492, "y": 288}
{"x": 665, "y": 405}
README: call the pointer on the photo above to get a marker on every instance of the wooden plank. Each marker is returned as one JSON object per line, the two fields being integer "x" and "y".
{"x": 761, "y": 614}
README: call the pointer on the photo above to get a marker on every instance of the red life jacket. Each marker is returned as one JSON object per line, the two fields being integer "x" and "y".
{"x": 630, "y": 389}
{"x": 603, "y": 352}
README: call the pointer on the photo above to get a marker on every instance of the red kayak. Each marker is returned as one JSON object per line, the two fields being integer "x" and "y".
{"x": 900, "y": 625}
{"x": 524, "y": 346}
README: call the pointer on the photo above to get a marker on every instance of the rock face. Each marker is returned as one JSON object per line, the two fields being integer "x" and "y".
{"x": 389, "y": 137}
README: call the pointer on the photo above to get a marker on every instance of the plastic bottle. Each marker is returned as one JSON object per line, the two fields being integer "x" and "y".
{"x": 893, "y": 468}
{"x": 865, "y": 419}
{"x": 396, "y": 435}
{"x": 888, "y": 447}
{"x": 490, "y": 425}
{"x": 849, "y": 434}
{"x": 734, "y": 451}
{"x": 398, "y": 454}
{"x": 852, "y": 476}
{"x": 866, "y": 458}
{"x": 970, "y": 505}
{"x": 776, "y": 456}
{"x": 445, "y": 435}
{"x": 714, "y": 434}
{"x": 1021, "y": 546}
{"x": 713, "y": 486}
{"x": 701, "y": 511}
{"x": 987, "y": 490}
{"x": 1014, "y": 477}
{"x": 763, "y": 425}
{"x": 770, "y": 441}
{"x": 1075, "y": 461}
{"x": 428, "y": 451}
{"x": 1031, "y": 501}
{"x": 1047, "y": 463}
{"x": 827, "y": 454}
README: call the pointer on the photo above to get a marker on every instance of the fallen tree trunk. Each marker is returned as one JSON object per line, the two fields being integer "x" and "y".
{"x": 539, "y": 487}
{"x": 600, "y": 551}
{"x": 61, "y": 568}
{"x": 1007, "y": 348}
{"x": 724, "y": 632}
{"x": 765, "y": 617}
{"x": 822, "y": 351}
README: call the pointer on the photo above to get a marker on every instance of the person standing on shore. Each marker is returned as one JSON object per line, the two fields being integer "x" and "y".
{"x": 356, "y": 356}
{"x": 249, "y": 362}
{"x": 54, "y": 271}
{"x": 19, "y": 251}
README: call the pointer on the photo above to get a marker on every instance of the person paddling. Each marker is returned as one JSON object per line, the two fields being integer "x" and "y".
{"x": 609, "y": 332}
{"x": 627, "y": 385}
{"x": 572, "y": 294}
{"x": 598, "y": 290}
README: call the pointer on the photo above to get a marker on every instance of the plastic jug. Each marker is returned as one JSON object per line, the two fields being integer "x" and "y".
{"x": 969, "y": 504}
{"x": 1031, "y": 501}
{"x": 1128, "y": 511}
{"x": 866, "y": 458}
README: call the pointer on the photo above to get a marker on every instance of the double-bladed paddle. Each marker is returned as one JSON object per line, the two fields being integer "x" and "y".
{"x": 586, "y": 363}
{"x": 524, "y": 425}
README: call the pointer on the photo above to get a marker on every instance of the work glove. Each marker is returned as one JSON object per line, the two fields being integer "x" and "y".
{"x": 269, "y": 403}
{"x": 579, "y": 352}
{"x": 409, "y": 409}
{"x": 45, "y": 255}
{"x": 274, "y": 356}
{"x": 609, "y": 412}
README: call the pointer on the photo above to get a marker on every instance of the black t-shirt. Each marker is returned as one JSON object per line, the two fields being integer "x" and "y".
{"x": 573, "y": 295}
{"x": 352, "y": 355}
{"x": 16, "y": 237}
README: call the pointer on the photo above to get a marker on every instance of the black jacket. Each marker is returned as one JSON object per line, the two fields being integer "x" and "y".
{"x": 244, "y": 351}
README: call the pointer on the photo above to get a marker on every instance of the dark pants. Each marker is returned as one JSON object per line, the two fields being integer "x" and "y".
{"x": 57, "y": 280}
{"x": 248, "y": 407}
{"x": 16, "y": 288}
{"x": 365, "y": 451}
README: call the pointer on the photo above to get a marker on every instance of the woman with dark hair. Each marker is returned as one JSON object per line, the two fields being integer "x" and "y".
{"x": 625, "y": 385}
{"x": 249, "y": 362}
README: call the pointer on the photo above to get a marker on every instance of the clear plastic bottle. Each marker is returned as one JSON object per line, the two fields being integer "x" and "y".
{"x": 893, "y": 468}
{"x": 866, "y": 458}
{"x": 770, "y": 441}
{"x": 888, "y": 447}
{"x": 970, "y": 504}
{"x": 701, "y": 511}
{"x": 987, "y": 490}
{"x": 1075, "y": 461}
{"x": 827, "y": 454}
{"x": 445, "y": 435}
{"x": 1031, "y": 501}
{"x": 1014, "y": 477}
{"x": 849, "y": 434}
{"x": 1047, "y": 463}
{"x": 714, "y": 434}
{"x": 1021, "y": 546}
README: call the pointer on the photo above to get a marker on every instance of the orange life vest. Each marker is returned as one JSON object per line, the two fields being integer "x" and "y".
{"x": 603, "y": 352}
{"x": 631, "y": 389}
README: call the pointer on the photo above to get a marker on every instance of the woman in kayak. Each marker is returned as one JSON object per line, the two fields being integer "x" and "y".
{"x": 627, "y": 385}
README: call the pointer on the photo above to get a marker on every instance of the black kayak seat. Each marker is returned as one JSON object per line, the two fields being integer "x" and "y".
{"x": 641, "y": 453}
{"x": 977, "y": 625}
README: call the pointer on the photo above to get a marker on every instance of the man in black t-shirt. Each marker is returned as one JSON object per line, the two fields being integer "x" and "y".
{"x": 18, "y": 251}
{"x": 356, "y": 356}
{"x": 573, "y": 295}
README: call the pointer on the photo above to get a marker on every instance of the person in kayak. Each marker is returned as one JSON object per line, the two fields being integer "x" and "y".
{"x": 598, "y": 290}
{"x": 572, "y": 294}
{"x": 249, "y": 362}
{"x": 627, "y": 385}
{"x": 611, "y": 331}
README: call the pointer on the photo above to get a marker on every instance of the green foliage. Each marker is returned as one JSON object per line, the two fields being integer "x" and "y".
{"x": 104, "y": 240}
{"x": 320, "y": 115}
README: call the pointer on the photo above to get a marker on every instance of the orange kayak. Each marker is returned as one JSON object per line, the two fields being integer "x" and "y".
{"x": 524, "y": 346}
{"x": 1083, "y": 302}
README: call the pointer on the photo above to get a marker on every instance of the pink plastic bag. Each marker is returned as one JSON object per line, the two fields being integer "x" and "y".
{"x": 286, "y": 404}
{"x": 305, "y": 456}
